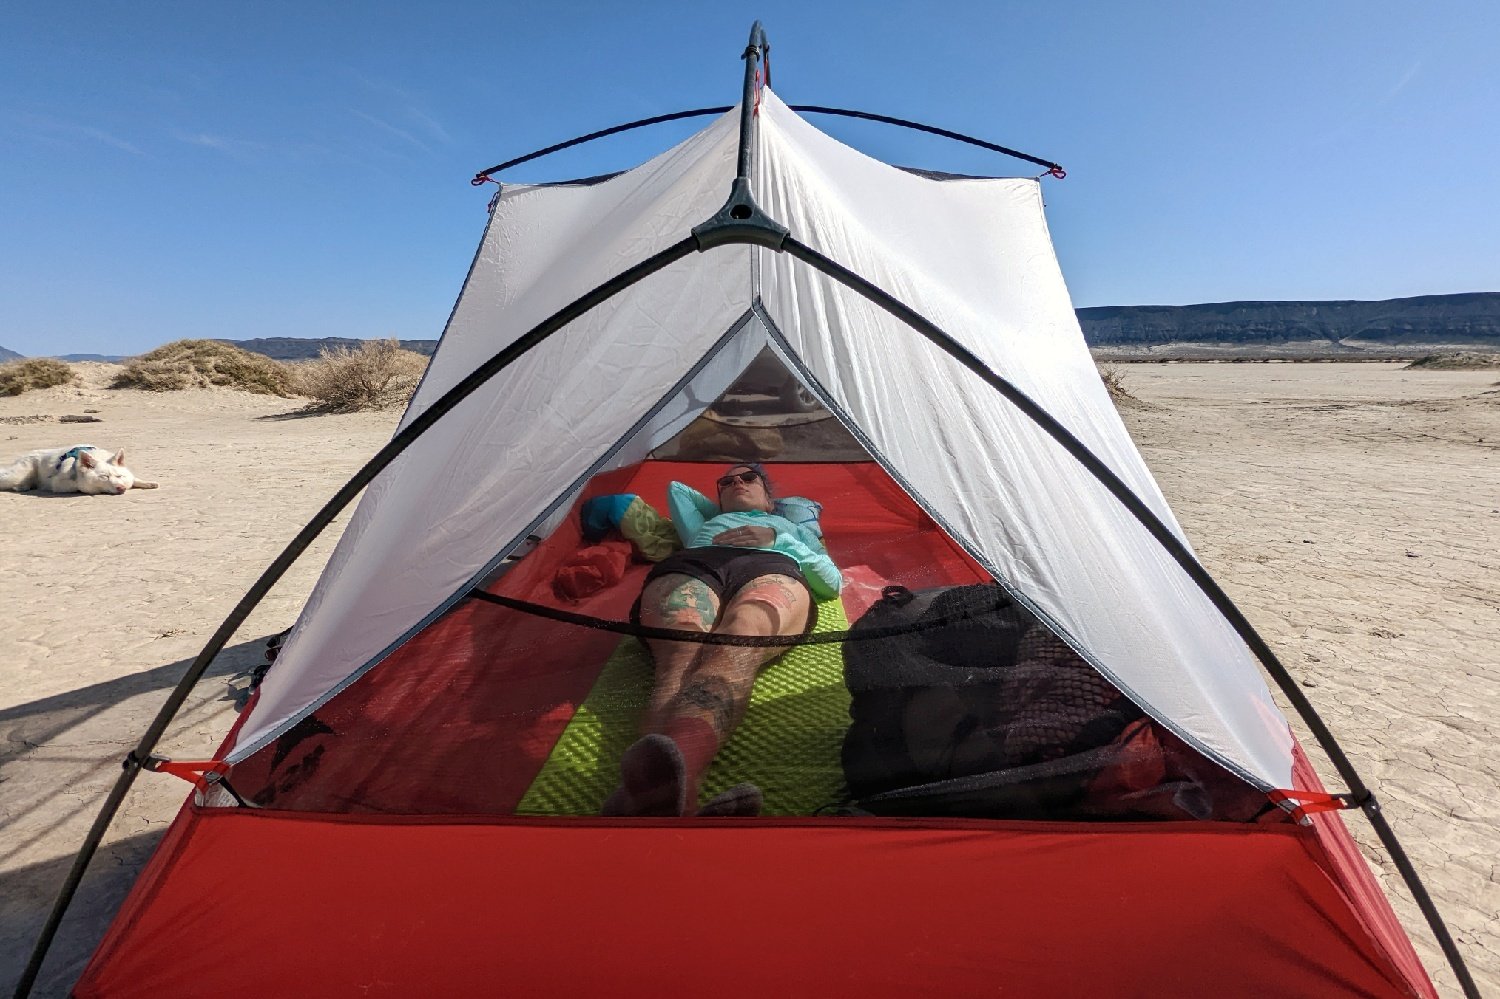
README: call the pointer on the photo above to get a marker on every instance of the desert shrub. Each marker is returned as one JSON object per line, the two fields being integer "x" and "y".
{"x": 33, "y": 373}
{"x": 200, "y": 363}
{"x": 377, "y": 374}
{"x": 1114, "y": 380}
{"x": 1460, "y": 360}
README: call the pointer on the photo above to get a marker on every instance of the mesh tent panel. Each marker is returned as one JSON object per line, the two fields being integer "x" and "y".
{"x": 491, "y": 710}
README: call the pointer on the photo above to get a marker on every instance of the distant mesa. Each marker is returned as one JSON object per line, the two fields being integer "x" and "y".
{"x": 1397, "y": 327}
{"x": 291, "y": 348}
{"x": 10, "y": 355}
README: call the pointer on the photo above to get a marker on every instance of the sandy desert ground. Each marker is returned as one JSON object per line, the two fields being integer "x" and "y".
{"x": 1353, "y": 511}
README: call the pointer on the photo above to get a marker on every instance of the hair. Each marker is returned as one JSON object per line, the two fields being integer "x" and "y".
{"x": 760, "y": 470}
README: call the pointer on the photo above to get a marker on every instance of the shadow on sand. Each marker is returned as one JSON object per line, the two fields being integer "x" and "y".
{"x": 292, "y": 414}
{"x": 62, "y": 736}
{"x": 26, "y": 897}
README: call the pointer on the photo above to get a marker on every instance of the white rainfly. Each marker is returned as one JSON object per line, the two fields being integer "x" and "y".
{"x": 972, "y": 255}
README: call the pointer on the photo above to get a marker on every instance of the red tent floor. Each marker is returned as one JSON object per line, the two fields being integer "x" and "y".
{"x": 277, "y": 904}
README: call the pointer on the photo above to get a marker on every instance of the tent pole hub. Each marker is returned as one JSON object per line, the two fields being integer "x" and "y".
{"x": 741, "y": 220}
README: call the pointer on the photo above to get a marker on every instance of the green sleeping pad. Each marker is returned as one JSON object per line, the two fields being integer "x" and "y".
{"x": 788, "y": 745}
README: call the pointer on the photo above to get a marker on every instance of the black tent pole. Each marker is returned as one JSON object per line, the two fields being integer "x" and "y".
{"x": 754, "y": 57}
{"x": 486, "y": 175}
{"x": 1360, "y": 794}
{"x": 1055, "y": 169}
{"x": 137, "y": 757}
{"x": 759, "y": 50}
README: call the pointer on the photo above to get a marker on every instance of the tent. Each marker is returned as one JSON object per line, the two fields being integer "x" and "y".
{"x": 410, "y": 804}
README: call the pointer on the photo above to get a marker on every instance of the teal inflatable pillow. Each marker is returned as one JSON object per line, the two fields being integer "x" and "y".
{"x": 801, "y": 511}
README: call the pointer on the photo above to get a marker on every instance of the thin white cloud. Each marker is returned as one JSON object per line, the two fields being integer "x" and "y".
{"x": 219, "y": 143}
{"x": 400, "y": 133}
{"x": 401, "y": 106}
{"x": 53, "y": 128}
{"x": 431, "y": 124}
{"x": 1400, "y": 85}
{"x": 1365, "y": 113}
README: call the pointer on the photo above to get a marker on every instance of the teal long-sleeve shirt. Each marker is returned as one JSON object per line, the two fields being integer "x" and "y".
{"x": 699, "y": 520}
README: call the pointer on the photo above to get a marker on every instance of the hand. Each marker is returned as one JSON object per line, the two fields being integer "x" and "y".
{"x": 747, "y": 537}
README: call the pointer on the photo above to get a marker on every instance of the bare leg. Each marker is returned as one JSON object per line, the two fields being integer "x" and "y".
{"x": 673, "y": 601}
{"x": 700, "y": 692}
{"x": 714, "y": 695}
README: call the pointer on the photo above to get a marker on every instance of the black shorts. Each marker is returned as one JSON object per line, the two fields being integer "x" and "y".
{"x": 726, "y": 570}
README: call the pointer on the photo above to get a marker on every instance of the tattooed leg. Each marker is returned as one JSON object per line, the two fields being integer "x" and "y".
{"x": 713, "y": 697}
{"x": 768, "y": 605}
{"x": 674, "y": 601}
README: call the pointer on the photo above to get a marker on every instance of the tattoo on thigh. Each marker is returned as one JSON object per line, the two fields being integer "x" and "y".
{"x": 781, "y": 592}
{"x": 715, "y": 697}
{"x": 690, "y": 603}
{"x": 790, "y": 591}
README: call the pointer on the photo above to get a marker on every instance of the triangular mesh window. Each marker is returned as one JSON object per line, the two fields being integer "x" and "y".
{"x": 963, "y": 704}
{"x": 767, "y": 414}
{"x": 921, "y": 688}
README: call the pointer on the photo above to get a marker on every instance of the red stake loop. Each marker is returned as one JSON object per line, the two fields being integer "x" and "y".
{"x": 195, "y": 772}
{"x": 1311, "y": 802}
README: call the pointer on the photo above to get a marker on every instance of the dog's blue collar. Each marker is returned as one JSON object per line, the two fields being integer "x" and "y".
{"x": 72, "y": 453}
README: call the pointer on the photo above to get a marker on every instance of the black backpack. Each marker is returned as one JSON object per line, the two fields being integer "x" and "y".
{"x": 975, "y": 709}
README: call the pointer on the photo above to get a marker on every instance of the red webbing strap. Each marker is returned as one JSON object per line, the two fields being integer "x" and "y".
{"x": 1311, "y": 802}
{"x": 194, "y": 772}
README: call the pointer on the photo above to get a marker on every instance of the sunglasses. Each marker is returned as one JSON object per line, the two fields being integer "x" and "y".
{"x": 725, "y": 481}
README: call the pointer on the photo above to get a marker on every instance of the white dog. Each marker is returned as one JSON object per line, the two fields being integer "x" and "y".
{"x": 80, "y": 469}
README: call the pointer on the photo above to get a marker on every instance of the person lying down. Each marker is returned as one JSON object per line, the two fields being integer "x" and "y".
{"x": 743, "y": 571}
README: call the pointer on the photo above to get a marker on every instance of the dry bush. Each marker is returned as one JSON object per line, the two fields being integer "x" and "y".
{"x": 33, "y": 373}
{"x": 1464, "y": 360}
{"x": 1114, "y": 380}
{"x": 200, "y": 363}
{"x": 377, "y": 374}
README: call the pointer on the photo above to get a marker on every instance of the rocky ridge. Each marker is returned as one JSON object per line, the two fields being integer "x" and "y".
{"x": 1399, "y": 325}
{"x": 1394, "y": 327}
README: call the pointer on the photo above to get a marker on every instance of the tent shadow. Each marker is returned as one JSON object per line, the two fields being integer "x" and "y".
{"x": 26, "y": 897}
{"x": 37, "y": 723}
{"x": 63, "y": 742}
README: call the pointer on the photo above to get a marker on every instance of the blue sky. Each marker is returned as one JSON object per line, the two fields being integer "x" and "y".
{"x": 301, "y": 169}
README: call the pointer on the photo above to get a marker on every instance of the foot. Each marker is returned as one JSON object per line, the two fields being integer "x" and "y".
{"x": 653, "y": 780}
{"x": 740, "y": 801}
